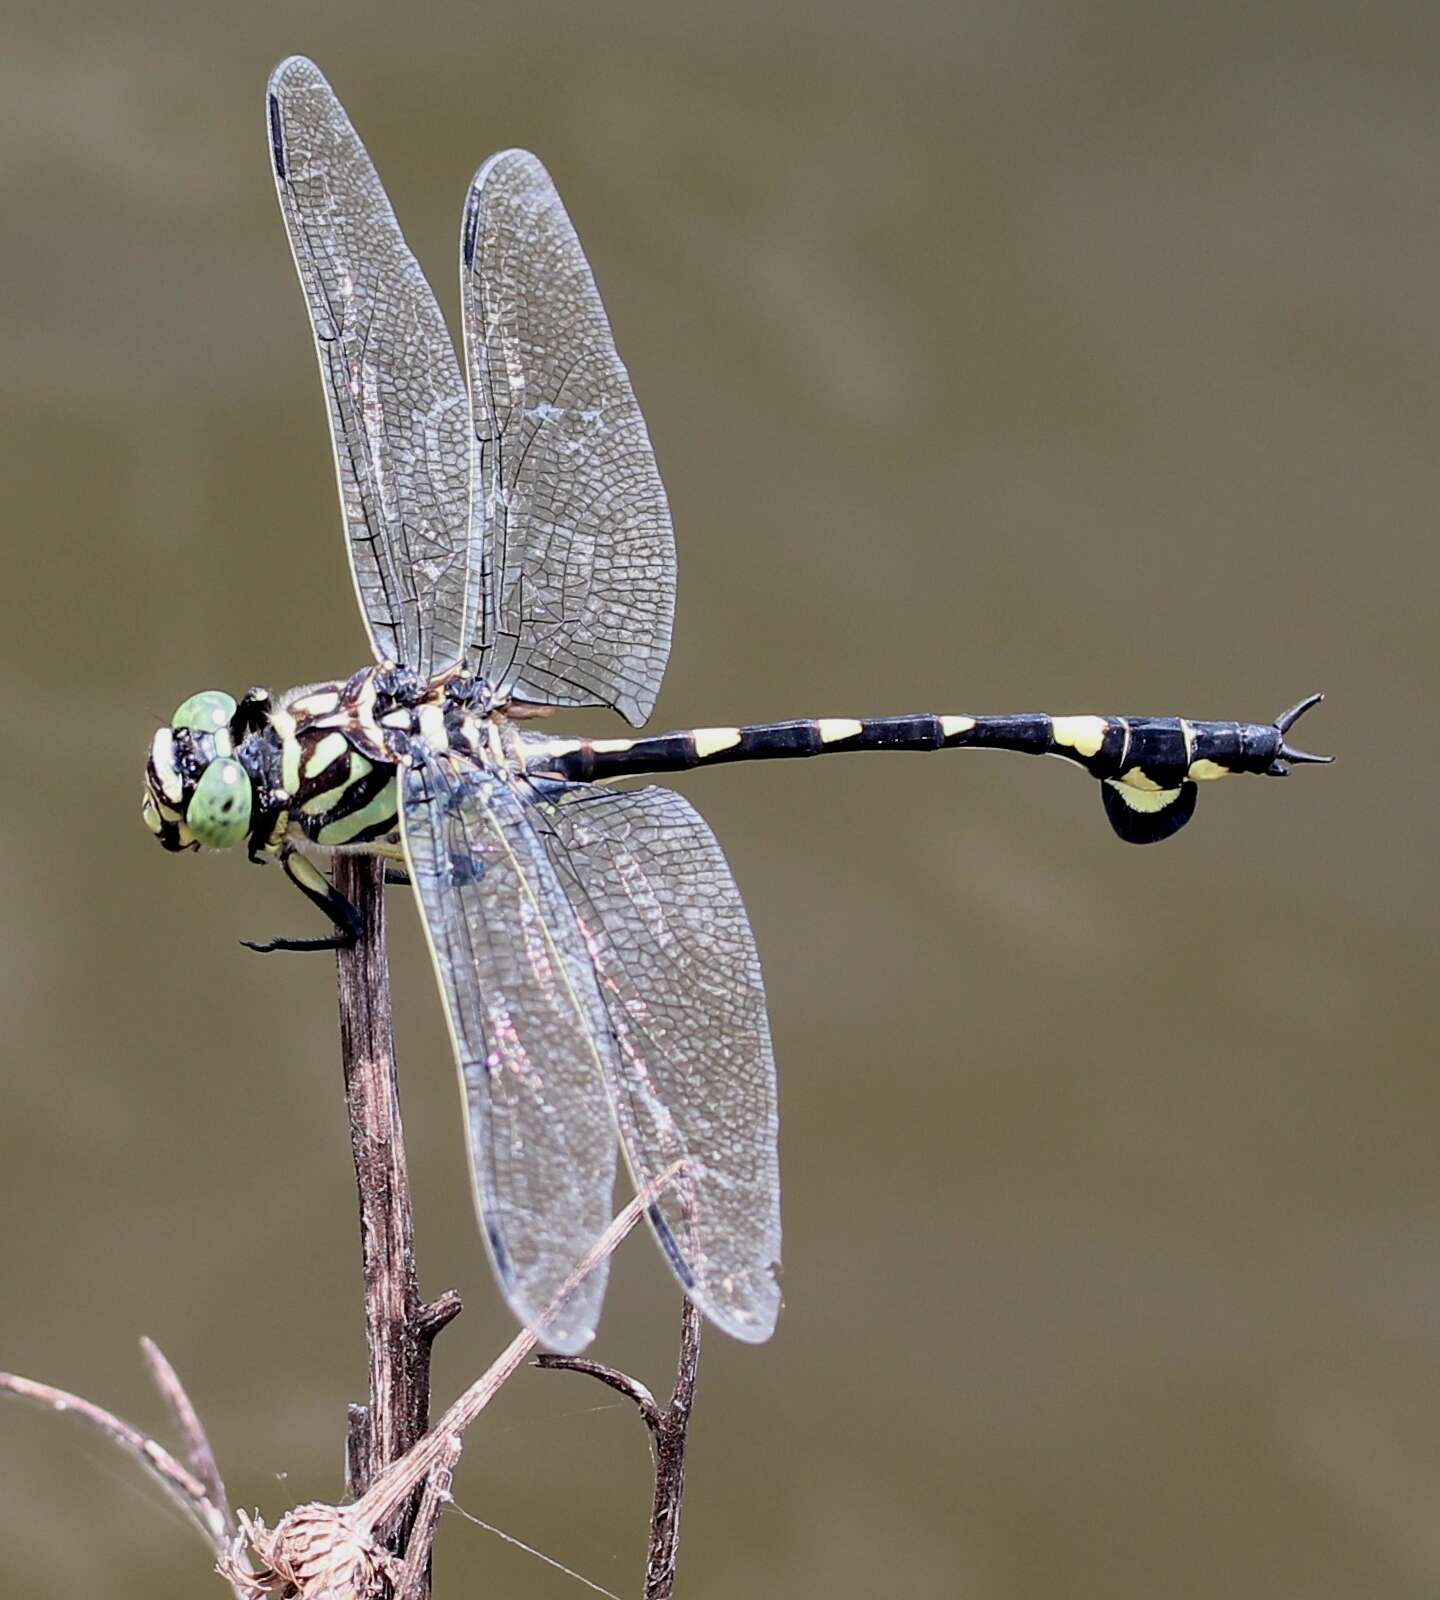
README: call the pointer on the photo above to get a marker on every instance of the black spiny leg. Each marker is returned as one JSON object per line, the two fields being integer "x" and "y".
{"x": 397, "y": 877}
{"x": 317, "y": 889}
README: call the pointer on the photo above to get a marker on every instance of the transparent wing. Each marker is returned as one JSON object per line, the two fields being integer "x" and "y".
{"x": 679, "y": 973}
{"x": 531, "y": 1037}
{"x": 396, "y": 397}
{"x": 566, "y": 500}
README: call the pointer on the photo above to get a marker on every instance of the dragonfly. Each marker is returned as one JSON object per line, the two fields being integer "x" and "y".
{"x": 512, "y": 553}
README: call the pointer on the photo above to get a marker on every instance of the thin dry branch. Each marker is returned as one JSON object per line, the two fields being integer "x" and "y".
{"x": 313, "y": 1543}
{"x": 399, "y": 1326}
{"x": 404, "y": 1476}
{"x": 632, "y": 1388}
{"x": 357, "y": 1450}
{"x": 179, "y": 1483}
{"x": 398, "y": 1473}
{"x": 414, "y": 1575}
{"x": 198, "y": 1453}
{"x": 669, "y": 1432}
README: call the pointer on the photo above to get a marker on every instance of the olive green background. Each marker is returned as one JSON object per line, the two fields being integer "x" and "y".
{"x": 1077, "y": 357}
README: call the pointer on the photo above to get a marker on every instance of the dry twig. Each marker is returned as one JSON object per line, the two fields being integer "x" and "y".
{"x": 413, "y": 1579}
{"x": 315, "y": 1550}
{"x": 399, "y": 1326}
{"x": 198, "y": 1452}
{"x": 398, "y": 1473}
{"x": 669, "y": 1430}
{"x": 203, "y": 1503}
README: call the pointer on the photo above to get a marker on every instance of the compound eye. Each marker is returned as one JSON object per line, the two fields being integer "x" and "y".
{"x": 219, "y": 810}
{"x": 209, "y": 712}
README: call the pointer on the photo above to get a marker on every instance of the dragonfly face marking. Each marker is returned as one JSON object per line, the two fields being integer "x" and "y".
{"x": 511, "y": 552}
{"x": 167, "y": 786}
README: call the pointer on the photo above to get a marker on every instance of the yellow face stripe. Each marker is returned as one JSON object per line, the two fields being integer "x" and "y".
{"x": 162, "y": 758}
{"x": 711, "y": 741}
{"x": 330, "y": 748}
{"x": 1083, "y": 735}
{"x": 950, "y": 726}
{"x": 833, "y": 729}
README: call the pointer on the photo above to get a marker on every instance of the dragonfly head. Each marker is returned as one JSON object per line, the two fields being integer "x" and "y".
{"x": 196, "y": 792}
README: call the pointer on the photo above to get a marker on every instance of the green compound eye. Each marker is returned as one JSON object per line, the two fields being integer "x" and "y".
{"x": 209, "y": 711}
{"x": 219, "y": 810}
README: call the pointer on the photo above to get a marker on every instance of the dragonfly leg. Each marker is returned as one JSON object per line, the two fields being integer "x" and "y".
{"x": 397, "y": 876}
{"x": 317, "y": 889}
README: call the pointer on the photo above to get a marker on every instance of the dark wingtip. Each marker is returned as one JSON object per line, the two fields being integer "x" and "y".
{"x": 468, "y": 228}
{"x": 1287, "y": 754}
{"x": 277, "y": 135}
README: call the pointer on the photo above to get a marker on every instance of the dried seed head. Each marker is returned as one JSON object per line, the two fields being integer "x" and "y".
{"x": 317, "y": 1553}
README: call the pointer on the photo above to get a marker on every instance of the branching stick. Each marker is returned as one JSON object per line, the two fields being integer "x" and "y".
{"x": 669, "y": 1432}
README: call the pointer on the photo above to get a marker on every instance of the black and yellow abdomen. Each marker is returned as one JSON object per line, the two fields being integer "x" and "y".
{"x": 1148, "y": 767}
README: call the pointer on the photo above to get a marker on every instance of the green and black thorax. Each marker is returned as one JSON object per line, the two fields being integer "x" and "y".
{"x": 317, "y": 767}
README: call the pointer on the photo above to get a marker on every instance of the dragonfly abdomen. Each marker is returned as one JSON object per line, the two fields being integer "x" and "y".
{"x": 1105, "y": 746}
{"x": 1149, "y": 765}
{"x": 595, "y": 760}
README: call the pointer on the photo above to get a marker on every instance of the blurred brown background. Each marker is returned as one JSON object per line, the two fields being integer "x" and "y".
{"x": 998, "y": 357}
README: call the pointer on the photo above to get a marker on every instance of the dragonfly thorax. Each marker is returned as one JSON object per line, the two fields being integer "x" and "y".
{"x": 316, "y": 765}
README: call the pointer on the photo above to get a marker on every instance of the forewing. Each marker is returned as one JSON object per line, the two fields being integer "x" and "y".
{"x": 531, "y": 1037}
{"x": 567, "y": 506}
{"x": 393, "y": 387}
{"x": 680, "y": 977}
